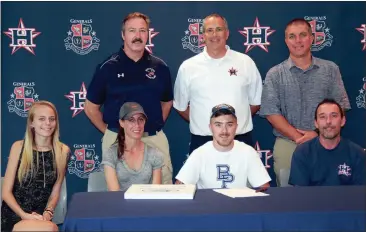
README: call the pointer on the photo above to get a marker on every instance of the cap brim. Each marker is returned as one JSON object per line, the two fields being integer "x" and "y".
{"x": 223, "y": 110}
{"x": 127, "y": 116}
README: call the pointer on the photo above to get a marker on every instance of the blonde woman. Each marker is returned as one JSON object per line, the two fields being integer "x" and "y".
{"x": 34, "y": 174}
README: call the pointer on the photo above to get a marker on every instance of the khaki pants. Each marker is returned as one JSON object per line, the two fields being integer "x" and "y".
{"x": 158, "y": 141}
{"x": 282, "y": 155}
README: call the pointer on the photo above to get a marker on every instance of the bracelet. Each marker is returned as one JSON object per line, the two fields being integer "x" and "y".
{"x": 49, "y": 208}
{"x": 48, "y": 211}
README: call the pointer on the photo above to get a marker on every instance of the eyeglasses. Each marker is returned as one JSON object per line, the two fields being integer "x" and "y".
{"x": 217, "y": 30}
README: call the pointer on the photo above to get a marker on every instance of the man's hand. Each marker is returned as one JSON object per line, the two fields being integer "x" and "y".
{"x": 306, "y": 136}
{"x": 178, "y": 182}
{"x": 262, "y": 188}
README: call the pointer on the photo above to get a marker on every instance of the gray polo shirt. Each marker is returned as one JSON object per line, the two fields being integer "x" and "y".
{"x": 153, "y": 159}
{"x": 295, "y": 93}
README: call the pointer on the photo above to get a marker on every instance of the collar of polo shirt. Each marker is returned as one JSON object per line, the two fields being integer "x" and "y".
{"x": 145, "y": 55}
{"x": 209, "y": 58}
{"x": 290, "y": 63}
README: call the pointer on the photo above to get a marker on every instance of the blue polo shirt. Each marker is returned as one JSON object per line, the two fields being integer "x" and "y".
{"x": 313, "y": 165}
{"x": 120, "y": 79}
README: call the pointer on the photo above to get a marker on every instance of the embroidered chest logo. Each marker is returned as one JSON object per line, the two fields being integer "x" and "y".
{"x": 150, "y": 73}
{"x": 224, "y": 175}
{"x": 233, "y": 71}
{"x": 344, "y": 169}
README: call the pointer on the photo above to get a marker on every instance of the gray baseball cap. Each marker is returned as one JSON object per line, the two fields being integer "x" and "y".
{"x": 128, "y": 109}
{"x": 224, "y": 108}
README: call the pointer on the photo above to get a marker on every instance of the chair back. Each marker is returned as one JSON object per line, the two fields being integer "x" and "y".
{"x": 61, "y": 208}
{"x": 96, "y": 182}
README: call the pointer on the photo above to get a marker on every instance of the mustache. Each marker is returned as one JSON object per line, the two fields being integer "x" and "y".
{"x": 326, "y": 127}
{"x": 137, "y": 40}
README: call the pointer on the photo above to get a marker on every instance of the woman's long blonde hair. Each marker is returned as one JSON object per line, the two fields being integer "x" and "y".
{"x": 27, "y": 166}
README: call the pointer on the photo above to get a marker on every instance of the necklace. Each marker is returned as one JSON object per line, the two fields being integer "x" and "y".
{"x": 44, "y": 172}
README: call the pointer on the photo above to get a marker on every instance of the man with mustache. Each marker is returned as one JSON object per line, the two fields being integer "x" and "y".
{"x": 218, "y": 74}
{"x": 224, "y": 162}
{"x": 328, "y": 159}
{"x": 133, "y": 75}
{"x": 292, "y": 90}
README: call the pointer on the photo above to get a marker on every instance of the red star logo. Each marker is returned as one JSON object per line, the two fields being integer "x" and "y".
{"x": 22, "y": 37}
{"x": 254, "y": 36}
{"x": 149, "y": 44}
{"x": 362, "y": 31}
{"x": 232, "y": 71}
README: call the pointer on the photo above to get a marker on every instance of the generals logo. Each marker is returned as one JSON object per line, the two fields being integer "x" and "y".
{"x": 22, "y": 37}
{"x": 150, "y": 73}
{"x": 149, "y": 44}
{"x": 257, "y": 35}
{"x": 81, "y": 38}
{"x": 361, "y": 99}
{"x": 84, "y": 160}
{"x": 193, "y": 39}
{"x": 322, "y": 37}
{"x": 263, "y": 154}
{"x": 22, "y": 98}
{"x": 78, "y": 100}
{"x": 362, "y": 31}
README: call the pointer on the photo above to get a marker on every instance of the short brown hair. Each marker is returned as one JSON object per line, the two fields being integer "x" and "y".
{"x": 299, "y": 21}
{"x": 215, "y": 15}
{"x": 135, "y": 15}
{"x": 332, "y": 102}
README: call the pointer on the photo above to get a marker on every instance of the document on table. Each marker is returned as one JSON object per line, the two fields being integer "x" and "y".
{"x": 240, "y": 192}
{"x": 157, "y": 191}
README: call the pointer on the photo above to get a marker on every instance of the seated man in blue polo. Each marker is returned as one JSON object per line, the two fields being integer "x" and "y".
{"x": 133, "y": 75}
{"x": 224, "y": 162}
{"x": 328, "y": 159}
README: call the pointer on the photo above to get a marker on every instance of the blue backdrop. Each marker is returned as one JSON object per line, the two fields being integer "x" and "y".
{"x": 50, "y": 51}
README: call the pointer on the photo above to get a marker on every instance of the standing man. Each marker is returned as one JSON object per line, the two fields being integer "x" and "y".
{"x": 328, "y": 159}
{"x": 292, "y": 91}
{"x": 216, "y": 75}
{"x": 132, "y": 74}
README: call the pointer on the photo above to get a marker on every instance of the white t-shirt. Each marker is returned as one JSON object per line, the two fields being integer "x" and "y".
{"x": 204, "y": 82}
{"x": 210, "y": 168}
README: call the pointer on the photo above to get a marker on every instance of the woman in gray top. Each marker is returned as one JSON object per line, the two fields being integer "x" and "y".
{"x": 129, "y": 160}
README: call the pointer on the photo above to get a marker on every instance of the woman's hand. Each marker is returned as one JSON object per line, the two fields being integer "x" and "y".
{"x": 47, "y": 216}
{"x": 32, "y": 216}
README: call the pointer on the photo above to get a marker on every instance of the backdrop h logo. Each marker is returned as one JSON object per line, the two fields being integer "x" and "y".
{"x": 149, "y": 44}
{"x": 224, "y": 175}
{"x": 78, "y": 100}
{"x": 22, "y": 37}
{"x": 257, "y": 35}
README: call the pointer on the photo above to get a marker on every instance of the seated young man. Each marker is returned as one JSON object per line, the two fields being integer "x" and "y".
{"x": 224, "y": 162}
{"x": 328, "y": 159}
